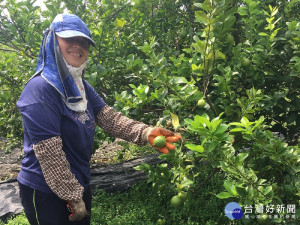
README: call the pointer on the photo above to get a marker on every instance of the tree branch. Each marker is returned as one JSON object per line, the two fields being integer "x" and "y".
{"x": 8, "y": 50}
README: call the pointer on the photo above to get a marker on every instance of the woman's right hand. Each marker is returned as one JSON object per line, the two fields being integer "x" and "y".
{"x": 78, "y": 210}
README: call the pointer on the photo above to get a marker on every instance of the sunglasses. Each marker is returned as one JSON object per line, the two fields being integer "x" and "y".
{"x": 83, "y": 42}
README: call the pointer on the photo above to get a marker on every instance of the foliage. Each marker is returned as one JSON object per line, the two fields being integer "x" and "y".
{"x": 20, "y": 220}
{"x": 264, "y": 171}
{"x": 129, "y": 207}
{"x": 142, "y": 204}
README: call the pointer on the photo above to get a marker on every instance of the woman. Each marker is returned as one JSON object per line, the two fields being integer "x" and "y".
{"x": 60, "y": 111}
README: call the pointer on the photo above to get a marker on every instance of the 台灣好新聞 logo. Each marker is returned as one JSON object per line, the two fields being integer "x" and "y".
{"x": 233, "y": 210}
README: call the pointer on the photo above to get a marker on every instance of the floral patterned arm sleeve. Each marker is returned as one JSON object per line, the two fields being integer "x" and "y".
{"x": 56, "y": 169}
{"x": 118, "y": 125}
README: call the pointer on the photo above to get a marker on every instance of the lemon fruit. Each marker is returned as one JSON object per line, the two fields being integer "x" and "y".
{"x": 183, "y": 195}
{"x": 230, "y": 39}
{"x": 160, "y": 222}
{"x": 263, "y": 218}
{"x": 159, "y": 141}
{"x": 183, "y": 33}
{"x": 246, "y": 62}
{"x": 201, "y": 103}
{"x": 176, "y": 201}
{"x": 161, "y": 187}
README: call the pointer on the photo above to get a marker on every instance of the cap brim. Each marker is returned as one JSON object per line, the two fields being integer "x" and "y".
{"x": 74, "y": 33}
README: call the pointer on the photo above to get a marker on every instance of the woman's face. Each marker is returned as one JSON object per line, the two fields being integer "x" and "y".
{"x": 75, "y": 50}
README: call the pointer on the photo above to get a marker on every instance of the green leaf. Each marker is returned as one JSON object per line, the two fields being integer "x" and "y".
{"x": 237, "y": 130}
{"x": 230, "y": 187}
{"x": 251, "y": 192}
{"x": 204, "y": 121}
{"x": 178, "y": 80}
{"x": 229, "y": 21}
{"x": 195, "y": 67}
{"x": 120, "y": 23}
{"x": 219, "y": 55}
{"x": 221, "y": 129}
{"x": 199, "y": 5}
{"x": 201, "y": 17}
{"x": 211, "y": 146}
{"x": 241, "y": 157}
{"x": 215, "y": 122}
{"x": 143, "y": 166}
{"x": 243, "y": 11}
{"x": 245, "y": 121}
{"x": 188, "y": 121}
{"x": 187, "y": 183}
{"x": 200, "y": 46}
{"x": 236, "y": 124}
{"x": 207, "y": 5}
{"x": 224, "y": 195}
{"x": 267, "y": 190}
{"x": 196, "y": 148}
{"x": 263, "y": 34}
{"x": 274, "y": 11}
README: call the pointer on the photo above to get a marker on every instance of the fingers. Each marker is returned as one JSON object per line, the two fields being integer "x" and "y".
{"x": 73, "y": 217}
{"x": 170, "y": 146}
{"x": 166, "y": 148}
{"x": 170, "y": 138}
{"x": 174, "y": 138}
{"x": 151, "y": 139}
{"x": 78, "y": 210}
{"x": 163, "y": 150}
{"x": 78, "y": 216}
{"x": 157, "y": 131}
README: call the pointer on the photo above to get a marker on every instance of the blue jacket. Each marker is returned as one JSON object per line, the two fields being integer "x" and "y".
{"x": 45, "y": 115}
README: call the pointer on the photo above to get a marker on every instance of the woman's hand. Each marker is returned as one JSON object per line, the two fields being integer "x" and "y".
{"x": 77, "y": 209}
{"x": 152, "y": 133}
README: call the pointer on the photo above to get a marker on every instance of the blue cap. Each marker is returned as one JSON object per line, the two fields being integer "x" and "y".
{"x": 70, "y": 25}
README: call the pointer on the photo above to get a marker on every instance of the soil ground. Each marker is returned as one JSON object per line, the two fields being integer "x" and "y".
{"x": 10, "y": 163}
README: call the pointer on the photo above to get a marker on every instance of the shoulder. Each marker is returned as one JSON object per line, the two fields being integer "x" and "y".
{"x": 38, "y": 90}
{"x": 38, "y": 83}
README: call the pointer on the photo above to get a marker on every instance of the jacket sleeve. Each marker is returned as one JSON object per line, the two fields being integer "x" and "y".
{"x": 118, "y": 125}
{"x": 56, "y": 169}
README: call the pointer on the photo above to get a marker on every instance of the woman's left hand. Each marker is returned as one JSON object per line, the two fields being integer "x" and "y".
{"x": 169, "y": 135}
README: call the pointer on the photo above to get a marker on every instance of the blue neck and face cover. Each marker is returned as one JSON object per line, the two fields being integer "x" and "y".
{"x": 51, "y": 65}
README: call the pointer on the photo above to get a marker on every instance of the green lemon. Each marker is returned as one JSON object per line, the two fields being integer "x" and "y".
{"x": 201, "y": 103}
{"x": 246, "y": 62}
{"x": 159, "y": 141}
{"x": 263, "y": 218}
{"x": 183, "y": 33}
{"x": 176, "y": 201}
{"x": 183, "y": 195}
{"x": 230, "y": 39}
{"x": 160, "y": 222}
{"x": 161, "y": 187}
